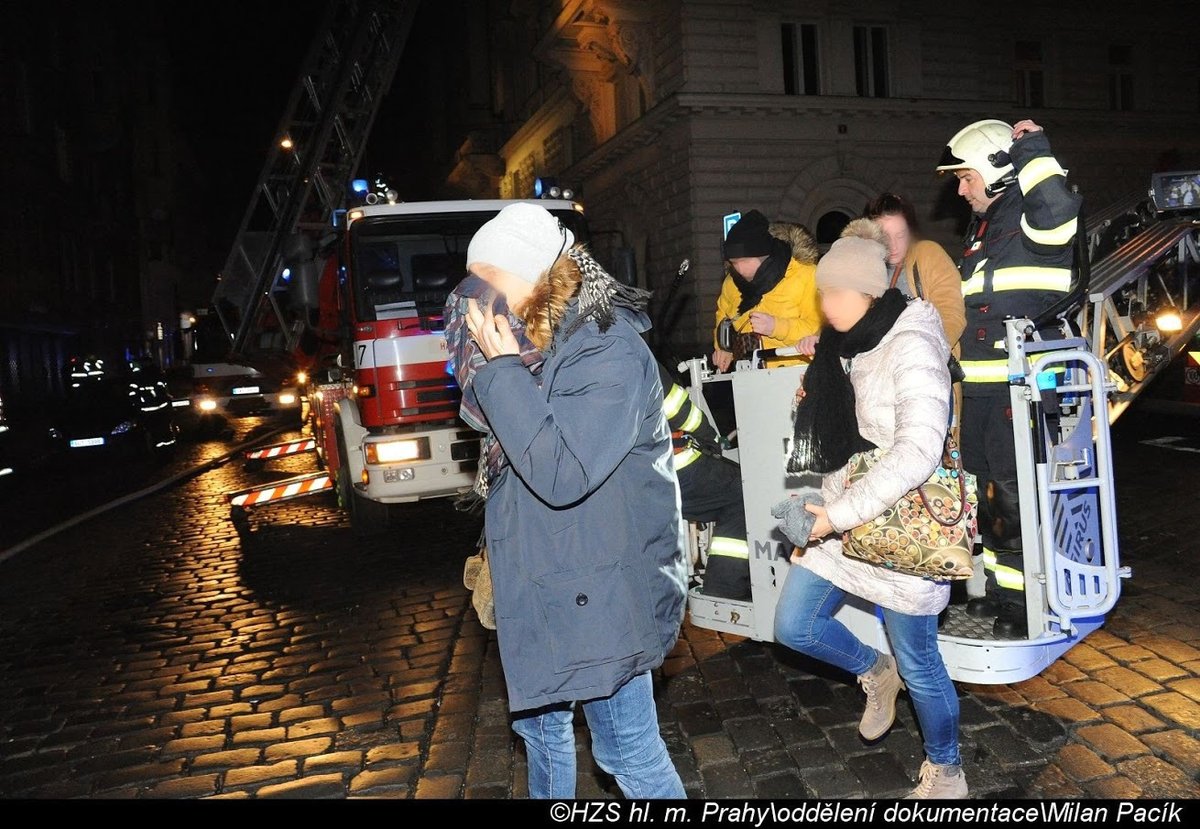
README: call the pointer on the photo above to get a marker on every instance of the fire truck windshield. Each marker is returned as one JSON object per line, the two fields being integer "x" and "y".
{"x": 406, "y": 266}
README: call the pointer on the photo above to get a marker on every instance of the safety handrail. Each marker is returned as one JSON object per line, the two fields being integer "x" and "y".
{"x": 1103, "y": 481}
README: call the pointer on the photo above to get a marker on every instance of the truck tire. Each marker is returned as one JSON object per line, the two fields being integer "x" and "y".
{"x": 367, "y": 517}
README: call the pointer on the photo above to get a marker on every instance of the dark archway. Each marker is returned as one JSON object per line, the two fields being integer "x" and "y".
{"x": 830, "y": 226}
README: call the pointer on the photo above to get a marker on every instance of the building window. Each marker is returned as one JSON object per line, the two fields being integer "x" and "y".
{"x": 24, "y": 102}
{"x": 1120, "y": 77}
{"x": 871, "y": 61}
{"x": 1029, "y": 77}
{"x": 62, "y": 148}
{"x": 99, "y": 89}
{"x": 800, "y": 73}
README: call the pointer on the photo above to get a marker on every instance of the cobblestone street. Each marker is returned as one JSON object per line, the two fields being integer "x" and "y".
{"x": 153, "y": 652}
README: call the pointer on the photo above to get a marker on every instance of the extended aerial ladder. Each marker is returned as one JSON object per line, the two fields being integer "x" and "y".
{"x": 264, "y": 305}
{"x": 267, "y": 293}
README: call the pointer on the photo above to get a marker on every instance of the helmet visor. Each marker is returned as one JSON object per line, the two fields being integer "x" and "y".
{"x": 949, "y": 161}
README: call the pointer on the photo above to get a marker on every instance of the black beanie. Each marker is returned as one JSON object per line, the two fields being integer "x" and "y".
{"x": 751, "y": 236}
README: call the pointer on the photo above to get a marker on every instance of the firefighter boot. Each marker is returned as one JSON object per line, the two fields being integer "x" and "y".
{"x": 1011, "y": 622}
{"x": 940, "y": 783}
{"x": 882, "y": 684}
{"x": 982, "y": 590}
{"x": 983, "y": 608}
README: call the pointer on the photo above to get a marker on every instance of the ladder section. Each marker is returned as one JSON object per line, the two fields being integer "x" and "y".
{"x": 316, "y": 149}
{"x": 1143, "y": 306}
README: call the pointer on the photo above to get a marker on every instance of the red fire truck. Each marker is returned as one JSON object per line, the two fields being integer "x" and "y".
{"x": 383, "y": 395}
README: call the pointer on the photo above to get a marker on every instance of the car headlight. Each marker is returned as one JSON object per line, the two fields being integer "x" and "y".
{"x": 287, "y": 399}
{"x": 207, "y": 405}
{"x": 123, "y": 427}
{"x": 397, "y": 451}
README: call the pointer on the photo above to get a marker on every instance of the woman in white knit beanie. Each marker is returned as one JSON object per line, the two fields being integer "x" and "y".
{"x": 589, "y": 581}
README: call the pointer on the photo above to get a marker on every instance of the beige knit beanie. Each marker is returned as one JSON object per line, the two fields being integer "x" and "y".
{"x": 858, "y": 260}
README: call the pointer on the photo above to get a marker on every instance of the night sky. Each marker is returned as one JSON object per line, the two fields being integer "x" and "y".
{"x": 233, "y": 66}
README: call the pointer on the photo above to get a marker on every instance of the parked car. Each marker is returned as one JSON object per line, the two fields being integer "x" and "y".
{"x": 125, "y": 410}
{"x": 8, "y": 455}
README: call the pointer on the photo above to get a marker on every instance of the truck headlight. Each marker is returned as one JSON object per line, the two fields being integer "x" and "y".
{"x": 208, "y": 405}
{"x": 287, "y": 399}
{"x": 401, "y": 450}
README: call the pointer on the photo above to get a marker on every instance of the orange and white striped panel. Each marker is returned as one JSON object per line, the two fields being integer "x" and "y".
{"x": 292, "y": 447}
{"x": 283, "y": 490}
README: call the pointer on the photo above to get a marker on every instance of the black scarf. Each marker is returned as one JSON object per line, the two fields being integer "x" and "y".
{"x": 767, "y": 277}
{"x": 826, "y": 433}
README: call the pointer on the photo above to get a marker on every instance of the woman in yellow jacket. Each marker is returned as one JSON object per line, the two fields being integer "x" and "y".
{"x": 770, "y": 287}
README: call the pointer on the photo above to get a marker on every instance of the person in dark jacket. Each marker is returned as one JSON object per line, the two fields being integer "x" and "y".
{"x": 710, "y": 486}
{"x": 1016, "y": 263}
{"x": 583, "y": 523}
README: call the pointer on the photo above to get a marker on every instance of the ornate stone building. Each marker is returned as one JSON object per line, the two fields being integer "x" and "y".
{"x": 667, "y": 114}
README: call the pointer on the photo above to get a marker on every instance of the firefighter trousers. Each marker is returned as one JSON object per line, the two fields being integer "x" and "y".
{"x": 989, "y": 453}
{"x": 710, "y": 491}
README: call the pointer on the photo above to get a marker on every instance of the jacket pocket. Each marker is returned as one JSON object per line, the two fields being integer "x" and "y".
{"x": 589, "y": 615}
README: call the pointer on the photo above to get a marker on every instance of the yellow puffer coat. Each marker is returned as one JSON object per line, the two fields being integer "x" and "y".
{"x": 793, "y": 303}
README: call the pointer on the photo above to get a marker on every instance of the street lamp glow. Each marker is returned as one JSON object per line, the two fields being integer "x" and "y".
{"x": 286, "y": 142}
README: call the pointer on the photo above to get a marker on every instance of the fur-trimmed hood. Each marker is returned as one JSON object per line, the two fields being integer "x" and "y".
{"x": 804, "y": 244}
{"x": 574, "y": 291}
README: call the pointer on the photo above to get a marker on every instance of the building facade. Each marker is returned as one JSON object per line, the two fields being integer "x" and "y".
{"x": 666, "y": 115}
{"x": 96, "y": 235}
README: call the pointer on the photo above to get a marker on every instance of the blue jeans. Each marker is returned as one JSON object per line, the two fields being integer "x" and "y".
{"x": 804, "y": 622}
{"x": 625, "y": 743}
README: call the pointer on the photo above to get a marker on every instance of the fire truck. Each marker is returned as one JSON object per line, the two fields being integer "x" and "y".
{"x": 337, "y": 286}
{"x": 383, "y": 398}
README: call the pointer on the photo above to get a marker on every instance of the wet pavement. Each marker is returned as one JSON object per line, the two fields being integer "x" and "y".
{"x": 154, "y": 652}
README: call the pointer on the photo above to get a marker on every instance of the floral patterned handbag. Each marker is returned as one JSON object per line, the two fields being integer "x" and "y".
{"x": 930, "y": 532}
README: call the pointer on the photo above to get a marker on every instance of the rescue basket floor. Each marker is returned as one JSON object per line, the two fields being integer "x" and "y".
{"x": 959, "y": 623}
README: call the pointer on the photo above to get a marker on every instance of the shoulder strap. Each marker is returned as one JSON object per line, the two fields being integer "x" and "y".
{"x": 917, "y": 280}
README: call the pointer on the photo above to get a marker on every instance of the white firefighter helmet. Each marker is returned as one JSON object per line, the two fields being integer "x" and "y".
{"x": 982, "y": 146}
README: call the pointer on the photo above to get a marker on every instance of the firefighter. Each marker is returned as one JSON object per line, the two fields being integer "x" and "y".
{"x": 710, "y": 488}
{"x": 1016, "y": 263}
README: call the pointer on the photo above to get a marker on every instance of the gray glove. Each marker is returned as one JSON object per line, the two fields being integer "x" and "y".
{"x": 795, "y": 521}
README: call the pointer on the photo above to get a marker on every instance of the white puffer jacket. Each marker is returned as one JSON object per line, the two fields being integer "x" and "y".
{"x": 902, "y": 401}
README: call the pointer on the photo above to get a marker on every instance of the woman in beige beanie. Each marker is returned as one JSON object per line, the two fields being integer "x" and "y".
{"x": 879, "y": 379}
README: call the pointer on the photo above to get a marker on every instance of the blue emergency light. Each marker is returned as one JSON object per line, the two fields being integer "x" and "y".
{"x": 360, "y": 185}
{"x": 286, "y": 275}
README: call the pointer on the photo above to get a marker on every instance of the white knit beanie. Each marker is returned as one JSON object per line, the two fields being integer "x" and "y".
{"x": 523, "y": 239}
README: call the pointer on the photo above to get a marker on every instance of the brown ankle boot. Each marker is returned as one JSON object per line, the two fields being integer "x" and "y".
{"x": 940, "y": 783}
{"x": 882, "y": 683}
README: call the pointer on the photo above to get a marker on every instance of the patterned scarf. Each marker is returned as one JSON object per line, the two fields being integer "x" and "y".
{"x": 600, "y": 294}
